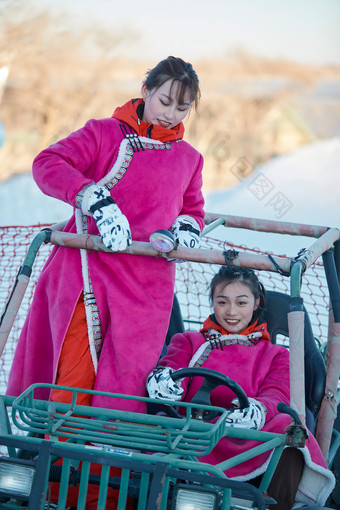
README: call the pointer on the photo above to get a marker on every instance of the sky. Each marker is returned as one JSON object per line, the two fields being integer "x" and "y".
{"x": 304, "y": 31}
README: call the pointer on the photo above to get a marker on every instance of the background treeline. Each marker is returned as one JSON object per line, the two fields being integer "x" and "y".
{"x": 251, "y": 110}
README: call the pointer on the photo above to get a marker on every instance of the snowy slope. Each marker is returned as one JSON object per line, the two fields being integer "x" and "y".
{"x": 301, "y": 187}
{"x": 22, "y": 203}
{"x": 306, "y": 182}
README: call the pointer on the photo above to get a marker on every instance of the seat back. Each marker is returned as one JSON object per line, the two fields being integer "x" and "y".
{"x": 176, "y": 324}
{"x": 276, "y": 316}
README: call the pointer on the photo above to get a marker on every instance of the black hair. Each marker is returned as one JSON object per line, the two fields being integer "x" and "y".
{"x": 175, "y": 69}
{"x": 243, "y": 275}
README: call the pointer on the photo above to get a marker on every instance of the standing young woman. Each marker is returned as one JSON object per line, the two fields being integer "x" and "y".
{"x": 98, "y": 320}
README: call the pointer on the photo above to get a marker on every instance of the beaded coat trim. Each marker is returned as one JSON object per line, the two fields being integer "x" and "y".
{"x": 215, "y": 340}
{"x": 128, "y": 147}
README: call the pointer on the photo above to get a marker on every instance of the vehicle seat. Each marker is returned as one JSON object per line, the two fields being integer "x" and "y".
{"x": 176, "y": 324}
{"x": 276, "y": 316}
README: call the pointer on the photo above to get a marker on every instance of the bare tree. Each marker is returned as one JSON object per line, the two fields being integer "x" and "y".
{"x": 59, "y": 77}
{"x": 56, "y": 74}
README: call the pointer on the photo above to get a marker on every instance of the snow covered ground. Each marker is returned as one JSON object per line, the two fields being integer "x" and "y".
{"x": 301, "y": 187}
{"x": 22, "y": 203}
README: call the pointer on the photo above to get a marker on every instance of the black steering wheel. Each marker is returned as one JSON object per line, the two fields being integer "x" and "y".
{"x": 211, "y": 380}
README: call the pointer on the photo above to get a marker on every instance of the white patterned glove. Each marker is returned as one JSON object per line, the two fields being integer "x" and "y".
{"x": 252, "y": 417}
{"x": 160, "y": 384}
{"x": 113, "y": 226}
{"x": 186, "y": 232}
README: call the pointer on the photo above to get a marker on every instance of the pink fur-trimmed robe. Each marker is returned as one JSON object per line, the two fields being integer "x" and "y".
{"x": 134, "y": 293}
{"x": 262, "y": 370}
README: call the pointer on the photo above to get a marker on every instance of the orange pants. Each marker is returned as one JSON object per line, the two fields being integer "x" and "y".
{"x": 75, "y": 369}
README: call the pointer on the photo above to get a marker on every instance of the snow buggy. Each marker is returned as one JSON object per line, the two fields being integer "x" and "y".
{"x": 151, "y": 460}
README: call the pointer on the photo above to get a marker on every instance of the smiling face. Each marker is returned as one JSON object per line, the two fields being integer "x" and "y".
{"x": 234, "y": 305}
{"x": 162, "y": 107}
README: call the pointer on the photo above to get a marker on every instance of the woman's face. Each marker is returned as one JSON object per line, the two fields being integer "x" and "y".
{"x": 161, "y": 106}
{"x": 234, "y": 305}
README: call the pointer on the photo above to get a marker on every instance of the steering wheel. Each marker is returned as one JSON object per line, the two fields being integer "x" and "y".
{"x": 211, "y": 380}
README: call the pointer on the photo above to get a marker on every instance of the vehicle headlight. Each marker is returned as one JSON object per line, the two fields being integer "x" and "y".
{"x": 16, "y": 477}
{"x": 191, "y": 497}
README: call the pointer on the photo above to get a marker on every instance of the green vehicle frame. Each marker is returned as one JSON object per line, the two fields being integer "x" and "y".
{"x": 159, "y": 455}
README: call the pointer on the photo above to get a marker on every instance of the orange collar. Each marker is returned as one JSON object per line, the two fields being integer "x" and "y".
{"x": 132, "y": 113}
{"x": 210, "y": 323}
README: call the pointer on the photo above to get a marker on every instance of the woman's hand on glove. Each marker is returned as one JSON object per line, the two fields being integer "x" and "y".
{"x": 161, "y": 385}
{"x": 252, "y": 417}
{"x": 186, "y": 232}
{"x": 113, "y": 226}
